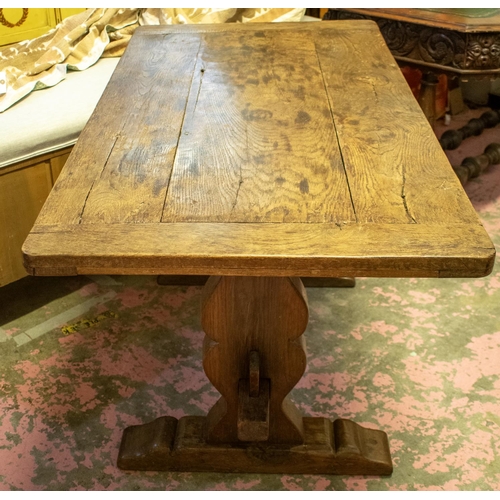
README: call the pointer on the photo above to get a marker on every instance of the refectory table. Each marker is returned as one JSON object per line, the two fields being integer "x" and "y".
{"x": 258, "y": 154}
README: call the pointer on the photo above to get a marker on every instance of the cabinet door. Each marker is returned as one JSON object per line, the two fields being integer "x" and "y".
{"x": 64, "y": 13}
{"x": 23, "y": 193}
{"x": 23, "y": 24}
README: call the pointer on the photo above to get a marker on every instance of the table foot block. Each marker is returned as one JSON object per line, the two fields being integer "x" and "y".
{"x": 342, "y": 448}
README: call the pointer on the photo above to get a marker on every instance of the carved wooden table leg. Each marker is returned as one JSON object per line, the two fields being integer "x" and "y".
{"x": 254, "y": 354}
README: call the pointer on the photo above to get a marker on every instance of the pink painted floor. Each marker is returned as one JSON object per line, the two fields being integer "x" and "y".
{"x": 84, "y": 357}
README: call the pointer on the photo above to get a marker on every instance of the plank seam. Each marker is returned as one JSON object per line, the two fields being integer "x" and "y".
{"x": 336, "y": 132}
{"x": 95, "y": 179}
{"x": 403, "y": 194}
{"x": 182, "y": 123}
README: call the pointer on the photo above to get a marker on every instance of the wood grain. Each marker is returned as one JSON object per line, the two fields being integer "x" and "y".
{"x": 394, "y": 165}
{"x": 136, "y": 126}
{"x": 280, "y": 149}
{"x": 274, "y": 249}
{"x": 134, "y": 181}
{"x": 258, "y": 143}
{"x": 267, "y": 315}
{"x": 339, "y": 448}
{"x": 24, "y": 186}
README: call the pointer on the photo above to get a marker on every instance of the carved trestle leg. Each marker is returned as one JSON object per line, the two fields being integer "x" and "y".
{"x": 254, "y": 354}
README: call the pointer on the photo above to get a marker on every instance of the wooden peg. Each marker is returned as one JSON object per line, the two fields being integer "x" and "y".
{"x": 254, "y": 374}
{"x": 253, "y": 412}
{"x": 253, "y": 403}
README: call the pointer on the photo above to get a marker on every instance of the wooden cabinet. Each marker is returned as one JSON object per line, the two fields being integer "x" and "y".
{"x": 23, "y": 24}
{"x": 24, "y": 186}
{"x": 23, "y": 190}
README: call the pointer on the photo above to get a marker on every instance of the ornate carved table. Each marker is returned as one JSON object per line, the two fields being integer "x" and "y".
{"x": 257, "y": 154}
{"x": 462, "y": 42}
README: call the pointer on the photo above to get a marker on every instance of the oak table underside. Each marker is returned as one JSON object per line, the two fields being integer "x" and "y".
{"x": 250, "y": 151}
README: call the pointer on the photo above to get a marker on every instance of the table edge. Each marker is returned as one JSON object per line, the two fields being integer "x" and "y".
{"x": 270, "y": 249}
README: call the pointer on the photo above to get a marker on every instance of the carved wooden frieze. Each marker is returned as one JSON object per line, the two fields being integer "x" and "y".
{"x": 483, "y": 51}
{"x": 451, "y": 51}
{"x": 442, "y": 47}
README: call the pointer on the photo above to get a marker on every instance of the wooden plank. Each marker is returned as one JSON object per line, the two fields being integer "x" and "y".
{"x": 414, "y": 218}
{"x": 347, "y": 25}
{"x": 111, "y": 175}
{"x": 170, "y": 445}
{"x": 274, "y": 249}
{"x": 133, "y": 183}
{"x": 256, "y": 146}
{"x": 397, "y": 172}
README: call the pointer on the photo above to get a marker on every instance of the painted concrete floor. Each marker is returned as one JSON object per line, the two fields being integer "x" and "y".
{"x": 81, "y": 358}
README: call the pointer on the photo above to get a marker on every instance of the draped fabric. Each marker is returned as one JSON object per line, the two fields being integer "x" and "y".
{"x": 80, "y": 40}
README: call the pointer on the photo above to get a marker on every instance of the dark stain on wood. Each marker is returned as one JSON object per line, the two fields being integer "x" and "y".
{"x": 193, "y": 168}
{"x": 286, "y": 140}
{"x": 304, "y": 186}
{"x": 299, "y": 93}
{"x": 302, "y": 118}
{"x": 158, "y": 187}
{"x": 257, "y": 114}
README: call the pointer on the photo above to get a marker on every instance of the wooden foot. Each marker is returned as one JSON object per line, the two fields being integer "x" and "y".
{"x": 342, "y": 448}
{"x": 184, "y": 280}
{"x": 254, "y": 354}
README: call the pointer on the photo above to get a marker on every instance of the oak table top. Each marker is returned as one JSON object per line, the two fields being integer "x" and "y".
{"x": 281, "y": 149}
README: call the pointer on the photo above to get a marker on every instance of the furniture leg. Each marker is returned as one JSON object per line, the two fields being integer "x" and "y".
{"x": 254, "y": 354}
{"x": 427, "y": 97}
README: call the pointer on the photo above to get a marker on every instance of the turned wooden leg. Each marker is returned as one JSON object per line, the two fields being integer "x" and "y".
{"x": 254, "y": 354}
{"x": 427, "y": 97}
